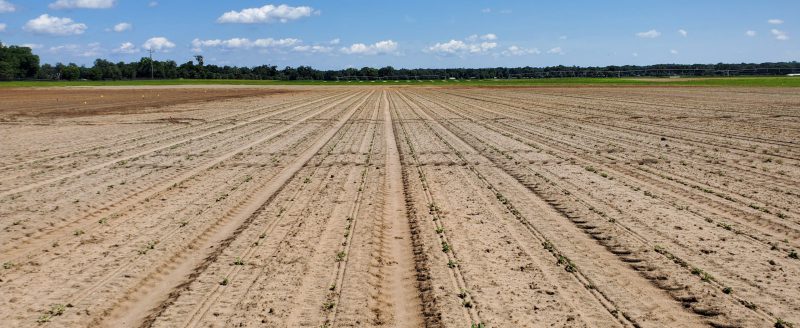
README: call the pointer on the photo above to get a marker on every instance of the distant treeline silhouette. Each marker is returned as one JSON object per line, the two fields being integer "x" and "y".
{"x": 20, "y": 63}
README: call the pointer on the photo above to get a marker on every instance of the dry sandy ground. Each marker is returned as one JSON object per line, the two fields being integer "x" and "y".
{"x": 402, "y": 207}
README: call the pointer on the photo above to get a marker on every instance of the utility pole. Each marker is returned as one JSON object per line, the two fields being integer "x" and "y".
{"x": 151, "y": 62}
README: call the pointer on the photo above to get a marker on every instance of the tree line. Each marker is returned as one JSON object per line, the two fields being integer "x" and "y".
{"x": 20, "y": 63}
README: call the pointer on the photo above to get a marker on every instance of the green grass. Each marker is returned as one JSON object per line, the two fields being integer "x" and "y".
{"x": 771, "y": 81}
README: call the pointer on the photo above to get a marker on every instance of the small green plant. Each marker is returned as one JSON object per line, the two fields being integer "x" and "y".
{"x": 327, "y": 306}
{"x": 727, "y": 290}
{"x": 452, "y": 264}
{"x": 55, "y": 310}
{"x": 307, "y": 180}
{"x": 8, "y": 265}
{"x": 78, "y": 232}
{"x": 445, "y": 247}
{"x": 780, "y": 323}
{"x": 793, "y": 254}
{"x": 568, "y": 265}
{"x": 439, "y": 230}
{"x": 238, "y": 261}
{"x": 224, "y": 281}
{"x": 332, "y": 287}
{"x": 340, "y": 256}
{"x": 478, "y": 325}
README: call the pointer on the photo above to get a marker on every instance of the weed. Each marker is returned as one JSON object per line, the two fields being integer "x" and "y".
{"x": 238, "y": 261}
{"x": 78, "y": 232}
{"x": 568, "y": 265}
{"x": 8, "y": 265}
{"x": 793, "y": 254}
{"x": 184, "y": 223}
{"x": 328, "y": 305}
{"x": 224, "y": 281}
{"x": 332, "y": 287}
{"x": 452, "y": 264}
{"x": 445, "y": 247}
{"x": 478, "y": 325}
{"x": 55, "y": 310}
{"x": 780, "y": 323}
{"x": 727, "y": 290}
{"x": 307, "y": 180}
{"x": 340, "y": 256}
{"x": 439, "y": 230}
{"x": 591, "y": 169}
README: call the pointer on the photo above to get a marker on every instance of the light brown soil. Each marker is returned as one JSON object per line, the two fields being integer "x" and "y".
{"x": 403, "y": 207}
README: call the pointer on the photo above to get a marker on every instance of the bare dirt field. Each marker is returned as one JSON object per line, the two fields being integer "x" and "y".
{"x": 400, "y": 207}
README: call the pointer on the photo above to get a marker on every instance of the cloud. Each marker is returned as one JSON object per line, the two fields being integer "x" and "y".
{"x": 487, "y": 37}
{"x": 779, "y": 35}
{"x": 775, "y": 21}
{"x": 520, "y": 51}
{"x": 245, "y": 43}
{"x": 126, "y": 48}
{"x": 750, "y": 33}
{"x": 84, "y": 4}
{"x": 486, "y": 10}
{"x": 556, "y": 51}
{"x": 651, "y": 34}
{"x": 312, "y": 49}
{"x": 153, "y": 4}
{"x": 673, "y": 51}
{"x": 267, "y": 14}
{"x": 2, "y": 27}
{"x": 563, "y": 37}
{"x": 32, "y": 45}
{"x": 335, "y": 41}
{"x": 377, "y": 48}
{"x": 471, "y": 45}
{"x": 122, "y": 27}
{"x": 683, "y": 33}
{"x": 7, "y": 7}
{"x": 89, "y": 50}
{"x": 635, "y": 54}
{"x": 159, "y": 43}
{"x": 46, "y": 24}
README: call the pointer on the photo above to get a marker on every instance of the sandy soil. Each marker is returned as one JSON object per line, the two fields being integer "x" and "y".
{"x": 401, "y": 207}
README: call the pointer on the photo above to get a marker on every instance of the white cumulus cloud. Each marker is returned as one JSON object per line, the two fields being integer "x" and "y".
{"x": 377, "y": 48}
{"x": 312, "y": 49}
{"x": 750, "y": 33}
{"x": 651, "y": 34}
{"x": 673, "y": 51}
{"x": 88, "y": 50}
{"x": 485, "y": 37}
{"x": 46, "y": 24}
{"x": 244, "y": 43}
{"x": 775, "y": 21}
{"x": 122, "y": 27}
{"x": 520, "y": 51}
{"x": 85, "y": 4}
{"x": 7, "y": 7}
{"x": 473, "y": 44}
{"x": 158, "y": 43}
{"x": 267, "y": 14}
{"x": 2, "y": 27}
{"x": 335, "y": 41}
{"x": 779, "y": 35}
{"x": 153, "y": 4}
{"x": 556, "y": 51}
{"x": 126, "y": 48}
{"x": 683, "y": 32}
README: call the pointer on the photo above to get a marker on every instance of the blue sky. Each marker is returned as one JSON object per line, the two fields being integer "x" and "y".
{"x": 411, "y": 33}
